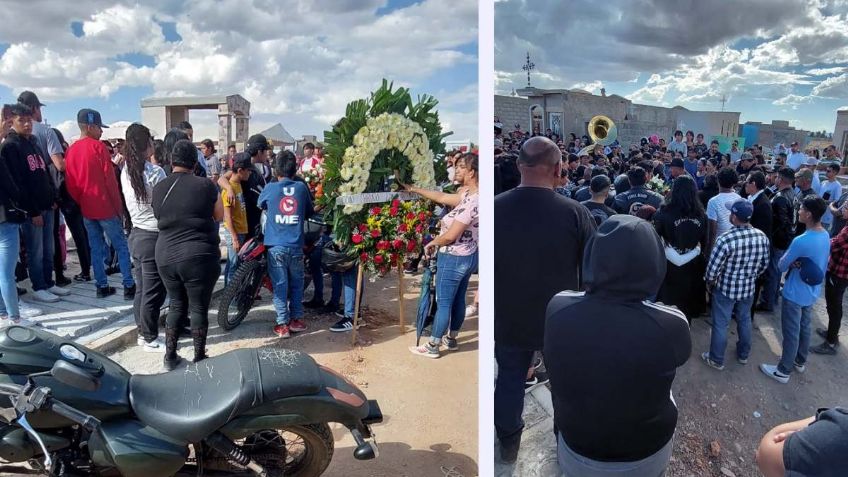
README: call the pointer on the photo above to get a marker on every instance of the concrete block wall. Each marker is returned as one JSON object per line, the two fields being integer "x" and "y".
{"x": 512, "y": 110}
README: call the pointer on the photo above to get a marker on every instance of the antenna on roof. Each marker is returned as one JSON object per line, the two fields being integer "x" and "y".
{"x": 723, "y": 100}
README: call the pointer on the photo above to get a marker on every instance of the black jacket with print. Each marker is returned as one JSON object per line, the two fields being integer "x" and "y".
{"x": 25, "y": 182}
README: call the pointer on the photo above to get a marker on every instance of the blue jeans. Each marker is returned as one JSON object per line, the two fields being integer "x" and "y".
{"x": 97, "y": 231}
{"x": 39, "y": 251}
{"x": 454, "y": 272}
{"x": 285, "y": 268}
{"x": 232, "y": 256}
{"x": 722, "y": 309}
{"x": 10, "y": 247}
{"x": 795, "y": 325}
{"x": 772, "y": 280}
{"x": 336, "y": 284}
{"x": 513, "y": 364}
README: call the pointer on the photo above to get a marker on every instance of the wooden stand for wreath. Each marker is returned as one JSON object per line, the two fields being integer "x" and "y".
{"x": 371, "y": 198}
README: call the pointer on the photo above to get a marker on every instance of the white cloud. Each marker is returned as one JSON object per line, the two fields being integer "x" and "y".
{"x": 825, "y": 71}
{"x": 300, "y": 60}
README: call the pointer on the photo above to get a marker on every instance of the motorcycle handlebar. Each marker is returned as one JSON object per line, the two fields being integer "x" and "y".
{"x": 90, "y": 423}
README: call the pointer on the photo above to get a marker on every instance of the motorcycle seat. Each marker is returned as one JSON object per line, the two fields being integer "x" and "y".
{"x": 191, "y": 403}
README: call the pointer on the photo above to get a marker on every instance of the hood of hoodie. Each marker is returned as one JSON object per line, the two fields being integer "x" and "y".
{"x": 624, "y": 259}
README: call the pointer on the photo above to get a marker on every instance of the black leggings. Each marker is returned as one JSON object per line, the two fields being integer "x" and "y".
{"x": 73, "y": 220}
{"x": 190, "y": 284}
{"x": 147, "y": 305}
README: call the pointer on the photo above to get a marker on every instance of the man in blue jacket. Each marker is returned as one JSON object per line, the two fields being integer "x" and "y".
{"x": 288, "y": 205}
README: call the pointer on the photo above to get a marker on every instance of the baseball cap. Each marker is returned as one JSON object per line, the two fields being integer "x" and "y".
{"x": 746, "y": 156}
{"x": 258, "y": 140}
{"x": 805, "y": 174}
{"x": 794, "y": 143}
{"x": 741, "y": 208}
{"x": 810, "y": 273}
{"x": 91, "y": 117}
{"x": 241, "y": 161}
{"x": 30, "y": 99}
{"x": 677, "y": 162}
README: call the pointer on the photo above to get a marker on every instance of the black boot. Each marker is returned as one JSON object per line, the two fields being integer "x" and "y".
{"x": 172, "y": 359}
{"x": 199, "y": 337}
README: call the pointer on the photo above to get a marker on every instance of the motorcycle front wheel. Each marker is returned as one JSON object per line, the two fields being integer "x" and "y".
{"x": 302, "y": 451}
{"x": 239, "y": 294}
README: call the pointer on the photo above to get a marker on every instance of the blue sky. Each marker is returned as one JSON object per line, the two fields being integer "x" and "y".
{"x": 772, "y": 59}
{"x": 298, "y": 65}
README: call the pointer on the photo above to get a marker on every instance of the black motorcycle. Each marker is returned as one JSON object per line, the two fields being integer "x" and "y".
{"x": 70, "y": 411}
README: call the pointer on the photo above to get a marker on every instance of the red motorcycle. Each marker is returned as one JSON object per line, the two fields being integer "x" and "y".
{"x": 251, "y": 275}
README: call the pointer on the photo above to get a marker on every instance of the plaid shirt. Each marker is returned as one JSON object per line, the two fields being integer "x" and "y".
{"x": 838, "y": 263}
{"x": 740, "y": 255}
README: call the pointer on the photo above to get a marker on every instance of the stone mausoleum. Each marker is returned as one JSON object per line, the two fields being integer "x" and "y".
{"x": 569, "y": 110}
{"x": 162, "y": 114}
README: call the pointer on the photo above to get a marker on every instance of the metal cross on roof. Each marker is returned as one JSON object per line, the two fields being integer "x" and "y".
{"x": 528, "y": 67}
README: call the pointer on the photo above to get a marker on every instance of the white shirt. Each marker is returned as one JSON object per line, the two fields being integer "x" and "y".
{"x": 834, "y": 189}
{"x": 141, "y": 214}
{"x": 717, "y": 211}
{"x": 752, "y": 198}
{"x": 796, "y": 159}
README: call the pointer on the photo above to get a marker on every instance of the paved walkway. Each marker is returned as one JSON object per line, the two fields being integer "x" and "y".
{"x": 537, "y": 455}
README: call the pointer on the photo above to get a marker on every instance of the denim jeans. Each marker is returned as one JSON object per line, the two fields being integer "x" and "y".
{"x": 795, "y": 326}
{"x": 285, "y": 268}
{"x": 722, "y": 309}
{"x": 349, "y": 284}
{"x": 772, "y": 281}
{"x": 513, "y": 364}
{"x": 39, "y": 250}
{"x": 454, "y": 272}
{"x": 10, "y": 247}
{"x": 232, "y": 256}
{"x": 336, "y": 284}
{"x": 112, "y": 228}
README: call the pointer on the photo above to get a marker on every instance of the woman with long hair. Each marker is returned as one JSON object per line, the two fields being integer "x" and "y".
{"x": 188, "y": 257}
{"x": 457, "y": 255}
{"x": 138, "y": 177}
{"x": 682, "y": 224}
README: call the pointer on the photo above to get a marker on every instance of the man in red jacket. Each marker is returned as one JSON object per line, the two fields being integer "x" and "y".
{"x": 91, "y": 182}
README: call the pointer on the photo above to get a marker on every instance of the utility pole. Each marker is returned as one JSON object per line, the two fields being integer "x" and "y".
{"x": 723, "y": 101}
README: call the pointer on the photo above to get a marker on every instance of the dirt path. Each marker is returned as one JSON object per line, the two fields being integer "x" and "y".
{"x": 723, "y": 415}
{"x": 429, "y": 406}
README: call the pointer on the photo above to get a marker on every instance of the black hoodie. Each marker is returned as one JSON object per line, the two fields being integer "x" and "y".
{"x": 611, "y": 355}
{"x": 25, "y": 182}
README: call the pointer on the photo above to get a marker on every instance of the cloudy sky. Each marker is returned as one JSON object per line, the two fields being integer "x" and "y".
{"x": 773, "y": 59}
{"x": 299, "y": 62}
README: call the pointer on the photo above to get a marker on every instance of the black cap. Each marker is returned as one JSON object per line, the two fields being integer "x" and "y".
{"x": 91, "y": 117}
{"x": 241, "y": 161}
{"x": 259, "y": 141}
{"x": 19, "y": 109}
{"x": 677, "y": 162}
{"x": 30, "y": 99}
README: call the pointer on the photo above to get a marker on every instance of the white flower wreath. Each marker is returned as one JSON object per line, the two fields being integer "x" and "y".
{"x": 386, "y": 131}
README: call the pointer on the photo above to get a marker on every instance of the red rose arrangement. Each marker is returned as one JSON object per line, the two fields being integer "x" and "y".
{"x": 390, "y": 232}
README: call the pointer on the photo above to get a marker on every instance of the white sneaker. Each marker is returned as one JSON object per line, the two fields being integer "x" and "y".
{"x": 471, "y": 310}
{"x": 155, "y": 346}
{"x": 5, "y": 322}
{"x": 28, "y": 311}
{"x": 771, "y": 371}
{"x": 58, "y": 291}
{"x": 44, "y": 296}
{"x": 26, "y": 322}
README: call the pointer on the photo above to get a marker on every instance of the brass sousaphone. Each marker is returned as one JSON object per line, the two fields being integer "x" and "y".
{"x": 601, "y": 131}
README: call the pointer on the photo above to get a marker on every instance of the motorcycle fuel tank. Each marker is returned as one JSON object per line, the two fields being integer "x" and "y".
{"x": 24, "y": 351}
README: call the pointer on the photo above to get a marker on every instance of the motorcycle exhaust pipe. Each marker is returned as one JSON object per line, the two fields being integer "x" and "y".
{"x": 228, "y": 448}
{"x": 365, "y": 450}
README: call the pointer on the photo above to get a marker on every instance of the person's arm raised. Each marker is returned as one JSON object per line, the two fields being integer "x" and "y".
{"x": 451, "y": 200}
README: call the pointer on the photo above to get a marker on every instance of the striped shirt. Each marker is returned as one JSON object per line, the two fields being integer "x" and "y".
{"x": 740, "y": 255}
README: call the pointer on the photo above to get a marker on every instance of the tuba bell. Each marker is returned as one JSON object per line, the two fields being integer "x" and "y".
{"x": 602, "y": 130}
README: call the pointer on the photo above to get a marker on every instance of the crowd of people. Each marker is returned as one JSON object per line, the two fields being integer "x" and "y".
{"x": 643, "y": 241}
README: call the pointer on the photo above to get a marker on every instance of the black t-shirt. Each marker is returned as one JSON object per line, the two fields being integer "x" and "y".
{"x": 820, "y": 449}
{"x": 599, "y": 212}
{"x": 538, "y": 253}
{"x": 251, "y": 190}
{"x": 186, "y": 227}
{"x": 682, "y": 233}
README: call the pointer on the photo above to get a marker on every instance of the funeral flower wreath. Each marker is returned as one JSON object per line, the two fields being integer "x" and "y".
{"x": 382, "y": 141}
